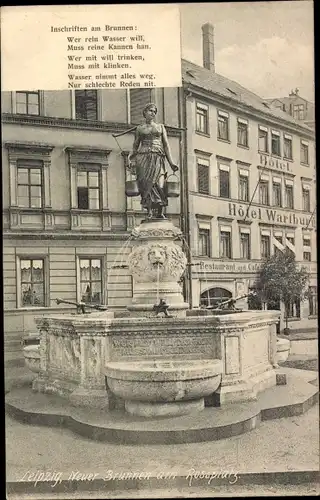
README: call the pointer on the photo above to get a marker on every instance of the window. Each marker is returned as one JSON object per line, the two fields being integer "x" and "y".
{"x": 245, "y": 251}
{"x": 287, "y": 147}
{"x": 290, "y": 242}
{"x": 278, "y": 248}
{"x": 242, "y": 132}
{"x": 265, "y": 246}
{"x": 275, "y": 143}
{"x": 91, "y": 281}
{"x": 306, "y": 198}
{"x": 313, "y": 301}
{"x": 264, "y": 192}
{"x": 304, "y": 152}
{"x": 86, "y": 104}
{"x": 243, "y": 185}
{"x": 204, "y": 242}
{"x": 88, "y": 188}
{"x": 225, "y": 242}
{"x": 203, "y": 175}
{"x": 306, "y": 241}
{"x": 263, "y": 139}
{"x": 214, "y": 296}
{"x": 307, "y": 256}
{"x": 293, "y": 309}
{"x": 298, "y": 111}
{"x": 30, "y": 185}
{"x": 32, "y": 282}
{"x": 223, "y": 125}
{"x": 289, "y": 193}
{"x": 224, "y": 181}
{"x": 139, "y": 98}
{"x": 202, "y": 121}
{"x": 276, "y": 192}
{"x": 28, "y": 103}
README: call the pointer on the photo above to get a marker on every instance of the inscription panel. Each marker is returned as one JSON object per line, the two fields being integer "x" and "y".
{"x": 191, "y": 346}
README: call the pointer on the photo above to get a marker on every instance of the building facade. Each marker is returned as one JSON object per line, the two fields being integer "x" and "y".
{"x": 67, "y": 220}
{"x": 252, "y": 191}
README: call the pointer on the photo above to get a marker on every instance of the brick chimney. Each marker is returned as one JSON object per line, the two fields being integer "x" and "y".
{"x": 208, "y": 46}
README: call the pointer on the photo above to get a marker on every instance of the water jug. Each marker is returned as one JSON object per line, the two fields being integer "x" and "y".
{"x": 132, "y": 188}
{"x": 173, "y": 186}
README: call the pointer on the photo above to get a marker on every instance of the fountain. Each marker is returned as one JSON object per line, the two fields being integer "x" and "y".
{"x": 160, "y": 360}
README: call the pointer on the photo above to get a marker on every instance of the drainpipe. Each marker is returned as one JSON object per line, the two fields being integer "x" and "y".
{"x": 184, "y": 197}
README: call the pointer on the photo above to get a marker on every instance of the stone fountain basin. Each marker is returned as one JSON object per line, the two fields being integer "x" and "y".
{"x": 164, "y": 381}
{"x": 32, "y": 357}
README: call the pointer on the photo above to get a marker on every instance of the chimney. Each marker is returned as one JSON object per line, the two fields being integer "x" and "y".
{"x": 208, "y": 46}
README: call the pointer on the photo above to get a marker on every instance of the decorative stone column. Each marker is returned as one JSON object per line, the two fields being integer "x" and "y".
{"x": 157, "y": 264}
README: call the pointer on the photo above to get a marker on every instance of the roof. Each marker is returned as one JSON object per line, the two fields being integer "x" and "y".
{"x": 222, "y": 86}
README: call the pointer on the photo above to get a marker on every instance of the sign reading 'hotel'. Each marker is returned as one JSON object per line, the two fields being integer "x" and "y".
{"x": 270, "y": 215}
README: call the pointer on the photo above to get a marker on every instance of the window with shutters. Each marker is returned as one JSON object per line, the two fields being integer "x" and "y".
{"x": 204, "y": 242}
{"x": 86, "y": 104}
{"x": 265, "y": 246}
{"x": 243, "y": 132}
{"x": 203, "y": 166}
{"x": 245, "y": 250}
{"x": 289, "y": 196}
{"x": 139, "y": 98}
{"x": 275, "y": 143}
{"x": 243, "y": 186}
{"x": 264, "y": 192}
{"x": 202, "y": 118}
{"x": 276, "y": 192}
{"x": 223, "y": 125}
{"x": 263, "y": 139}
{"x": 225, "y": 244}
{"x": 287, "y": 147}
{"x": 224, "y": 181}
{"x": 305, "y": 199}
{"x": 304, "y": 153}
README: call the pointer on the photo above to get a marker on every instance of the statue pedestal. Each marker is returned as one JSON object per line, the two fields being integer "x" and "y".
{"x": 157, "y": 263}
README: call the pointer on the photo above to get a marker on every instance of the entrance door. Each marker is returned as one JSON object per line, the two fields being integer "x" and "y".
{"x": 214, "y": 296}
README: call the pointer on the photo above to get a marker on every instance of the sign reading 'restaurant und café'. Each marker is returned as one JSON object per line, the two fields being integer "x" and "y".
{"x": 222, "y": 266}
{"x": 270, "y": 215}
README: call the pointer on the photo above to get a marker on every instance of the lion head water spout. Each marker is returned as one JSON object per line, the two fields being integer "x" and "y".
{"x": 157, "y": 263}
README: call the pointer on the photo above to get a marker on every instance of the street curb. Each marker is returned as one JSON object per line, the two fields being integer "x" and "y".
{"x": 155, "y": 482}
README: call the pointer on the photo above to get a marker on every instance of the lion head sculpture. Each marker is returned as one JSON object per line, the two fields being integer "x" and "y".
{"x": 156, "y": 261}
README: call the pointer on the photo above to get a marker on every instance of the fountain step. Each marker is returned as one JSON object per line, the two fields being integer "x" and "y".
{"x": 210, "y": 424}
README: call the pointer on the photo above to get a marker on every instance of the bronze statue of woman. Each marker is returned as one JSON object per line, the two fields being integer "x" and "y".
{"x": 150, "y": 149}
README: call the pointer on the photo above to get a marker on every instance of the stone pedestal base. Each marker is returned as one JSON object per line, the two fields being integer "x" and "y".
{"x": 143, "y": 409}
{"x": 94, "y": 398}
{"x": 246, "y": 390}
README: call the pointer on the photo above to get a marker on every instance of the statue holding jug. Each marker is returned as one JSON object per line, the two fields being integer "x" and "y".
{"x": 147, "y": 160}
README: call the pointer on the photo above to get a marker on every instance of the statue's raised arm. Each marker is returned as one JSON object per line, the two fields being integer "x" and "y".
{"x": 149, "y": 152}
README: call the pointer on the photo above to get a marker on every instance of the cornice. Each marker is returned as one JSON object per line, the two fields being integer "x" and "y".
{"x": 49, "y": 121}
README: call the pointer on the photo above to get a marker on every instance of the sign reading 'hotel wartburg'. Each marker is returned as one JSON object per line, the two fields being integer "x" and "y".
{"x": 271, "y": 215}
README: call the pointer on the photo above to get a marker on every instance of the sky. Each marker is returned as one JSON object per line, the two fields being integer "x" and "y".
{"x": 268, "y": 47}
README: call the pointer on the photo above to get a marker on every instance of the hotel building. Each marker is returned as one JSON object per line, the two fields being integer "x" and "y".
{"x": 251, "y": 183}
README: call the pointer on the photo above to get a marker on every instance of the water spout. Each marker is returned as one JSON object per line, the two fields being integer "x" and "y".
{"x": 158, "y": 281}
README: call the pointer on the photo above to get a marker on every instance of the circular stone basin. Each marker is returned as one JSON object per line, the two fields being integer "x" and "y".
{"x": 283, "y": 350}
{"x": 32, "y": 357}
{"x": 185, "y": 382}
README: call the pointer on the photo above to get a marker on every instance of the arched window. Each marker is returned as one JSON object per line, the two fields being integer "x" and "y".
{"x": 213, "y": 296}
